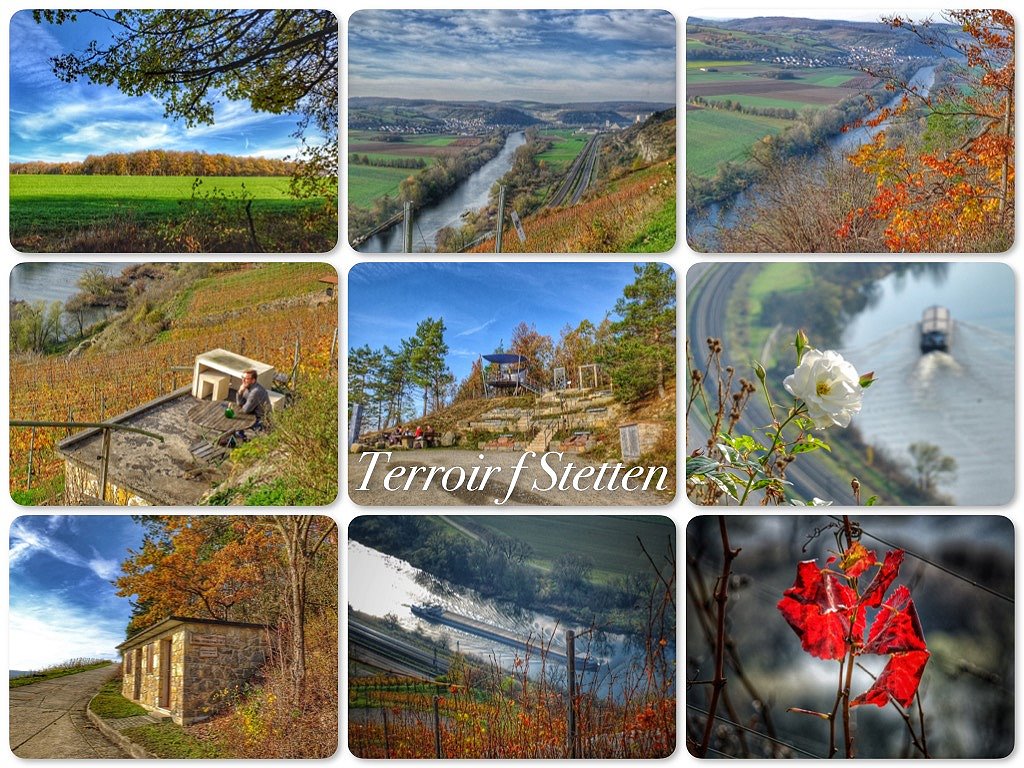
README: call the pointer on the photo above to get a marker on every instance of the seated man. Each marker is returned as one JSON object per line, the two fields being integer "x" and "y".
{"x": 252, "y": 398}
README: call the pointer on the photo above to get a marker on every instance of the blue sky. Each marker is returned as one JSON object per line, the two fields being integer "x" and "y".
{"x": 494, "y": 55}
{"x": 62, "y": 604}
{"x": 481, "y": 303}
{"x": 55, "y": 121}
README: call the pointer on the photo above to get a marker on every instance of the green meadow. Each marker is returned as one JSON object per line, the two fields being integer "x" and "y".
{"x": 716, "y": 136}
{"x": 54, "y": 203}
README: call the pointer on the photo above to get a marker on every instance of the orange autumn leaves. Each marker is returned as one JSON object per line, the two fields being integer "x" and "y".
{"x": 949, "y": 197}
{"x": 197, "y": 566}
{"x": 827, "y": 609}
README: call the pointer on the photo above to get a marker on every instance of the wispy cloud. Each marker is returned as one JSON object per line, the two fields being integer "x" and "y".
{"x": 27, "y": 543}
{"x": 482, "y": 327}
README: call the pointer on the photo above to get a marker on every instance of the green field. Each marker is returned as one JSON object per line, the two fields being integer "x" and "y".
{"x": 366, "y": 182}
{"x": 52, "y": 203}
{"x": 609, "y": 540}
{"x": 564, "y": 150}
{"x": 715, "y": 136}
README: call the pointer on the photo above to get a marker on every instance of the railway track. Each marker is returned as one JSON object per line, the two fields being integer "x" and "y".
{"x": 706, "y": 317}
{"x": 578, "y": 177}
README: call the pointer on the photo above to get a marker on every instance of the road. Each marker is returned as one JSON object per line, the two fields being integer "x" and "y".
{"x": 391, "y": 654}
{"x": 48, "y": 718}
{"x": 578, "y": 176}
{"x": 706, "y": 308}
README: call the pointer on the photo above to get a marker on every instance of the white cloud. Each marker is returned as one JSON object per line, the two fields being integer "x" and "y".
{"x": 477, "y": 329}
{"x": 26, "y": 542}
{"x": 43, "y": 630}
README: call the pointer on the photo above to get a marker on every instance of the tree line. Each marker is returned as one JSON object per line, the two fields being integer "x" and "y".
{"x": 160, "y": 162}
{"x": 781, "y": 113}
{"x": 387, "y": 162}
{"x": 636, "y": 351}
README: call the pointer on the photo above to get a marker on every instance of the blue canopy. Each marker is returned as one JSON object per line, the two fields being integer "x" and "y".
{"x": 504, "y": 358}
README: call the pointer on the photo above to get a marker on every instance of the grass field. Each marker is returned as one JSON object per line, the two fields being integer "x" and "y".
{"x": 609, "y": 540}
{"x": 564, "y": 150}
{"x": 715, "y": 136}
{"x": 49, "y": 203}
{"x": 367, "y": 182}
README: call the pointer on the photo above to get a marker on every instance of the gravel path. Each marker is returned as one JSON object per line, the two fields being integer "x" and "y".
{"x": 366, "y": 487}
{"x": 48, "y": 718}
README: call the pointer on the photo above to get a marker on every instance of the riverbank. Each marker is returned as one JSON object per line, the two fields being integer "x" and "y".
{"x": 446, "y": 184}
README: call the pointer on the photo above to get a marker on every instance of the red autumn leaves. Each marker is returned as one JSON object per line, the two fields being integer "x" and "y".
{"x": 828, "y": 611}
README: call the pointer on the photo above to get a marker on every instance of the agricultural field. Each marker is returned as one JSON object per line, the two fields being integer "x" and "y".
{"x": 210, "y": 313}
{"x": 715, "y": 136}
{"x": 819, "y": 87}
{"x": 62, "y": 212}
{"x": 567, "y": 145}
{"x": 547, "y": 536}
{"x": 366, "y": 183}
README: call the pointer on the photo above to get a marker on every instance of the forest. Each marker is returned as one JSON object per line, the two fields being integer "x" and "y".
{"x": 160, "y": 162}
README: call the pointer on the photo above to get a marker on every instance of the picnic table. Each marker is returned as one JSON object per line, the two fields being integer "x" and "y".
{"x": 209, "y": 416}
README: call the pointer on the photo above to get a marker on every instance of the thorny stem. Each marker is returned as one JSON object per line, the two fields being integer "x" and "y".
{"x": 721, "y": 596}
{"x": 776, "y": 440}
{"x": 847, "y": 733}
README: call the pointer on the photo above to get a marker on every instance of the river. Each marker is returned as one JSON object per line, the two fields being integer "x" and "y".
{"x": 380, "y": 584}
{"x": 51, "y": 281}
{"x": 961, "y": 401}
{"x": 700, "y": 230}
{"x": 471, "y": 194}
{"x": 55, "y": 280}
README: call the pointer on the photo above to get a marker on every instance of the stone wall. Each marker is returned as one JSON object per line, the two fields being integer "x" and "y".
{"x": 82, "y": 484}
{"x": 207, "y": 661}
{"x": 149, "y": 679}
{"x": 219, "y": 659}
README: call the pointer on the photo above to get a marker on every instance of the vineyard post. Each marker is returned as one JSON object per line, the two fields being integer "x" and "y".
{"x": 501, "y": 219}
{"x": 31, "y": 448}
{"x": 103, "y": 406}
{"x": 407, "y": 232}
{"x": 437, "y": 728}
{"x": 334, "y": 348}
{"x": 295, "y": 365}
{"x": 106, "y": 463}
{"x": 68, "y": 430}
{"x": 387, "y": 746}
{"x": 570, "y": 652}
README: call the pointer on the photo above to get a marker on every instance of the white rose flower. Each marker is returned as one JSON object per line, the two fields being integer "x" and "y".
{"x": 828, "y": 385}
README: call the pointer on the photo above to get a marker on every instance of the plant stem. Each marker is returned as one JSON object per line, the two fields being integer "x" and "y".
{"x": 721, "y": 596}
{"x": 847, "y": 733}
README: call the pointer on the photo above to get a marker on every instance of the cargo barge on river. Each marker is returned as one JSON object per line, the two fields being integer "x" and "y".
{"x": 439, "y": 615}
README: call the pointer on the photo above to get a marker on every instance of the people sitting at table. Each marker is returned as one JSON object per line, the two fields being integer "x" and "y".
{"x": 428, "y": 436}
{"x": 417, "y": 440}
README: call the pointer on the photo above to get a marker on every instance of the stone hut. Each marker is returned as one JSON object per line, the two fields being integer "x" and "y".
{"x": 178, "y": 666}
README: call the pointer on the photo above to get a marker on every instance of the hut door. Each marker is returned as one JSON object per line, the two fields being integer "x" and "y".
{"x": 138, "y": 674}
{"x": 165, "y": 674}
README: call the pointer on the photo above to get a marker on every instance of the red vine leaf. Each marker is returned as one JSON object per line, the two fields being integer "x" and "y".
{"x": 899, "y": 679}
{"x": 896, "y": 628}
{"x": 886, "y": 575}
{"x": 857, "y": 559}
{"x": 818, "y": 607}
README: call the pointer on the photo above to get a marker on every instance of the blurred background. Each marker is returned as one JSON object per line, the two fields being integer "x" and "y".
{"x": 966, "y": 611}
